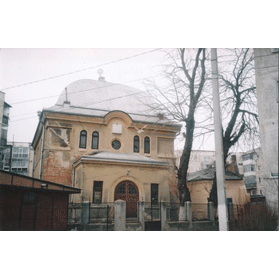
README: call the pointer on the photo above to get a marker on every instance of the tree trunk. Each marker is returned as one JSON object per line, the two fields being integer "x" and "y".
{"x": 213, "y": 197}
{"x": 184, "y": 193}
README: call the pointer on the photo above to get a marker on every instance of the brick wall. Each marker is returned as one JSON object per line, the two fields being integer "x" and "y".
{"x": 57, "y": 167}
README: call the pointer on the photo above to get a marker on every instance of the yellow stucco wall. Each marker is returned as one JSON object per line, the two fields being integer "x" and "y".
{"x": 112, "y": 174}
{"x": 61, "y": 150}
{"x": 235, "y": 189}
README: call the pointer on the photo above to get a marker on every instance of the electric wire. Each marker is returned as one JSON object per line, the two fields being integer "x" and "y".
{"x": 80, "y": 70}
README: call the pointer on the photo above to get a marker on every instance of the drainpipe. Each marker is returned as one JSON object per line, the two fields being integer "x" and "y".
{"x": 42, "y": 149}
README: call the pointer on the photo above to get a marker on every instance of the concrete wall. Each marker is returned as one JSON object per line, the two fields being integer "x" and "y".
{"x": 267, "y": 82}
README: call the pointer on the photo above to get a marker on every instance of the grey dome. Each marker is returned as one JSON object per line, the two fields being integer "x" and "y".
{"x": 102, "y": 95}
{"x": 98, "y": 98}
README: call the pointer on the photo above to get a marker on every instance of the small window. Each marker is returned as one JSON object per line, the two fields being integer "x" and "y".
{"x": 136, "y": 144}
{"x": 83, "y": 139}
{"x": 154, "y": 193}
{"x": 97, "y": 192}
{"x": 147, "y": 145}
{"x": 95, "y": 140}
{"x": 116, "y": 144}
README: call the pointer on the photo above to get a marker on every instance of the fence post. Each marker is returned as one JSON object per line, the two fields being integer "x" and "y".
{"x": 189, "y": 212}
{"x": 120, "y": 215}
{"x": 141, "y": 210}
{"x": 183, "y": 212}
{"x": 85, "y": 214}
{"x": 163, "y": 210}
{"x": 211, "y": 211}
{"x": 230, "y": 211}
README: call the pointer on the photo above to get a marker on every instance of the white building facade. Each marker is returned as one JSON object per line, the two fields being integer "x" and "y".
{"x": 267, "y": 83}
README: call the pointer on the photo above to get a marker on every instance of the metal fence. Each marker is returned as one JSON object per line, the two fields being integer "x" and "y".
{"x": 152, "y": 211}
{"x": 200, "y": 212}
{"x": 173, "y": 211}
{"x": 87, "y": 213}
{"x": 101, "y": 213}
{"x": 90, "y": 213}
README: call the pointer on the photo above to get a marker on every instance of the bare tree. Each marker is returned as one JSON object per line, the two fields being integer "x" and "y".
{"x": 180, "y": 99}
{"x": 186, "y": 95}
{"x": 238, "y": 102}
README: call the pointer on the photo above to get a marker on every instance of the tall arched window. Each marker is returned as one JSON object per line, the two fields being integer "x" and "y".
{"x": 147, "y": 145}
{"x": 83, "y": 139}
{"x": 95, "y": 140}
{"x": 136, "y": 144}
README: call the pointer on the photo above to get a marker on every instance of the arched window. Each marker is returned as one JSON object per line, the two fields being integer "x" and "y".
{"x": 95, "y": 140}
{"x": 147, "y": 145}
{"x": 136, "y": 144}
{"x": 83, "y": 139}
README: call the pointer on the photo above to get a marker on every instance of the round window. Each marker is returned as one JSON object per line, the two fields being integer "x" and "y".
{"x": 116, "y": 144}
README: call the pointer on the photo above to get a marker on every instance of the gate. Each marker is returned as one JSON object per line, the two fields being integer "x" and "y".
{"x": 152, "y": 216}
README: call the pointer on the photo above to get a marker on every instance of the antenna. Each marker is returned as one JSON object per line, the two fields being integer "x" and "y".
{"x": 66, "y": 103}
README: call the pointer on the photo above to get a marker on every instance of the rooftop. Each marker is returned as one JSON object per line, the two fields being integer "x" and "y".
{"x": 14, "y": 180}
{"x": 209, "y": 174}
{"x": 118, "y": 157}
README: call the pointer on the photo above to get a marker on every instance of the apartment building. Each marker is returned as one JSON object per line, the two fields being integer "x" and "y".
{"x": 18, "y": 158}
{"x": 253, "y": 171}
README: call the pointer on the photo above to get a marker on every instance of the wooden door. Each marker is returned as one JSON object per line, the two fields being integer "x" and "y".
{"x": 128, "y": 192}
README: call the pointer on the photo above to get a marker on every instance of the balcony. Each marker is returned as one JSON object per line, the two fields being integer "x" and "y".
{"x": 5, "y": 121}
{"x": 3, "y": 142}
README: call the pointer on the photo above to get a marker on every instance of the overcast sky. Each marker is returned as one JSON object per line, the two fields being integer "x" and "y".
{"x": 33, "y": 79}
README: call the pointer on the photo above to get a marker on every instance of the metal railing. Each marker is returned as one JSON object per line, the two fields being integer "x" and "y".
{"x": 152, "y": 211}
{"x": 101, "y": 213}
{"x": 86, "y": 213}
{"x": 173, "y": 211}
{"x": 200, "y": 212}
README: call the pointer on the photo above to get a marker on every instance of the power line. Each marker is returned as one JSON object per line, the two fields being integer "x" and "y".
{"x": 69, "y": 73}
{"x": 41, "y": 98}
{"x": 101, "y": 101}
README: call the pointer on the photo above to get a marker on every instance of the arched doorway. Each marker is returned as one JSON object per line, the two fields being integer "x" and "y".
{"x": 128, "y": 191}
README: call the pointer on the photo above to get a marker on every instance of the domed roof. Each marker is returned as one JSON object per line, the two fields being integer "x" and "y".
{"x": 98, "y": 98}
{"x": 102, "y": 95}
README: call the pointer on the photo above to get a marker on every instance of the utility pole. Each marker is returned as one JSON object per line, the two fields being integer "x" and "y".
{"x": 220, "y": 168}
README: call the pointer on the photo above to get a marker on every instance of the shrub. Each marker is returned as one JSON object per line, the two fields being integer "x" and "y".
{"x": 255, "y": 217}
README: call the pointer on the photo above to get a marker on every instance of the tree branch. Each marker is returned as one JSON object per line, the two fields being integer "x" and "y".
{"x": 250, "y": 113}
